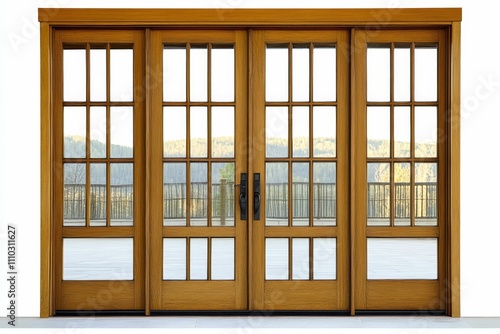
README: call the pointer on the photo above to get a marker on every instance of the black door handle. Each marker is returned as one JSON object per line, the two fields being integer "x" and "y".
{"x": 256, "y": 196}
{"x": 243, "y": 197}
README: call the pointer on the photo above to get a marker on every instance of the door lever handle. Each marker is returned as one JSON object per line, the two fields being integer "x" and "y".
{"x": 256, "y": 196}
{"x": 243, "y": 197}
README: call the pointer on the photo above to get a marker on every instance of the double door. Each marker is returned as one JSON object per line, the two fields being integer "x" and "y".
{"x": 249, "y": 170}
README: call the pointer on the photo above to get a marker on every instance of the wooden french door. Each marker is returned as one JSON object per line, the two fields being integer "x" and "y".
{"x": 300, "y": 248}
{"x": 99, "y": 122}
{"x": 250, "y": 170}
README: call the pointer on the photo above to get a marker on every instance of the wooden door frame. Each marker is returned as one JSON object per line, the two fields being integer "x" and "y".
{"x": 52, "y": 19}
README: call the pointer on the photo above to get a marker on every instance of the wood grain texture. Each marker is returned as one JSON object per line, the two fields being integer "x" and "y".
{"x": 199, "y": 295}
{"x": 301, "y": 295}
{"x": 98, "y": 295}
{"x": 249, "y": 17}
{"x": 402, "y": 295}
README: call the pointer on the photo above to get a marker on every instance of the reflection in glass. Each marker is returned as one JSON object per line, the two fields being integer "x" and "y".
{"x": 324, "y": 73}
{"x": 276, "y": 258}
{"x": 222, "y": 259}
{"x": 425, "y": 132}
{"x": 276, "y": 132}
{"x": 222, "y": 74}
{"x": 74, "y": 195}
{"x": 98, "y": 132}
{"x": 324, "y": 194}
{"x": 122, "y": 74}
{"x": 379, "y": 132}
{"x": 300, "y": 258}
{"x": 75, "y": 132}
{"x": 198, "y": 255}
{"x": 122, "y": 194}
{"x": 174, "y": 73}
{"x": 300, "y": 123}
{"x": 276, "y": 74}
{"x": 198, "y": 73}
{"x": 122, "y": 132}
{"x": 98, "y": 259}
{"x": 379, "y": 194}
{"x": 98, "y": 194}
{"x": 174, "y": 132}
{"x": 402, "y": 132}
{"x": 378, "y": 73}
{"x": 75, "y": 77}
{"x": 402, "y": 258}
{"x": 324, "y": 132}
{"x": 402, "y": 194}
{"x": 98, "y": 74}
{"x": 300, "y": 193}
{"x": 222, "y": 132}
{"x": 402, "y": 73}
{"x": 426, "y": 73}
{"x": 199, "y": 194}
{"x": 426, "y": 194}
{"x": 276, "y": 194}
{"x": 174, "y": 194}
{"x": 174, "y": 258}
{"x": 223, "y": 194}
{"x": 324, "y": 258}
{"x": 199, "y": 132}
{"x": 300, "y": 73}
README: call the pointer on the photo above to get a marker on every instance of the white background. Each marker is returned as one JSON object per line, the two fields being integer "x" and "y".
{"x": 20, "y": 138}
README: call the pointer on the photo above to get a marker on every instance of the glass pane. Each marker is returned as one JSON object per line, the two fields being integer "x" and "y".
{"x": 300, "y": 193}
{"x": 402, "y": 258}
{"x": 174, "y": 258}
{"x": 324, "y": 132}
{"x": 223, "y": 194}
{"x": 324, "y": 73}
{"x": 222, "y": 132}
{"x": 174, "y": 194}
{"x": 75, "y": 76}
{"x": 174, "y": 132}
{"x": 426, "y": 73}
{"x": 222, "y": 259}
{"x": 74, "y": 196}
{"x": 379, "y": 194}
{"x": 324, "y": 258}
{"x": 174, "y": 73}
{"x": 98, "y": 132}
{"x": 98, "y": 75}
{"x": 198, "y": 72}
{"x": 98, "y": 259}
{"x": 402, "y": 132}
{"x": 122, "y": 194}
{"x": 98, "y": 194}
{"x": 222, "y": 74}
{"x": 325, "y": 194}
{"x": 402, "y": 193}
{"x": 379, "y": 132}
{"x": 198, "y": 254}
{"x": 122, "y": 74}
{"x": 276, "y": 74}
{"x": 300, "y": 258}
{"x": 276, "y": 132}
{"x": 378, "y": 62}
{"x": 75, "y": 134}
{"x": 300, "y": 74}
{"x": 122, "y": 132}
{"x": 300, "y": 123}
{"x": 426, "y": 194}
{"x": 276, "y": 258}
{"x": 199, "y": 194}
{"x": 402, "y": 69}
{"x": 425, "y": 132}
{"x": 199, "y": 132}
{"x": 276, "y": 194}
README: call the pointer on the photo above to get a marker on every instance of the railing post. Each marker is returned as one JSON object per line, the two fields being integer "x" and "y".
{"x": 223, "y": 196}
